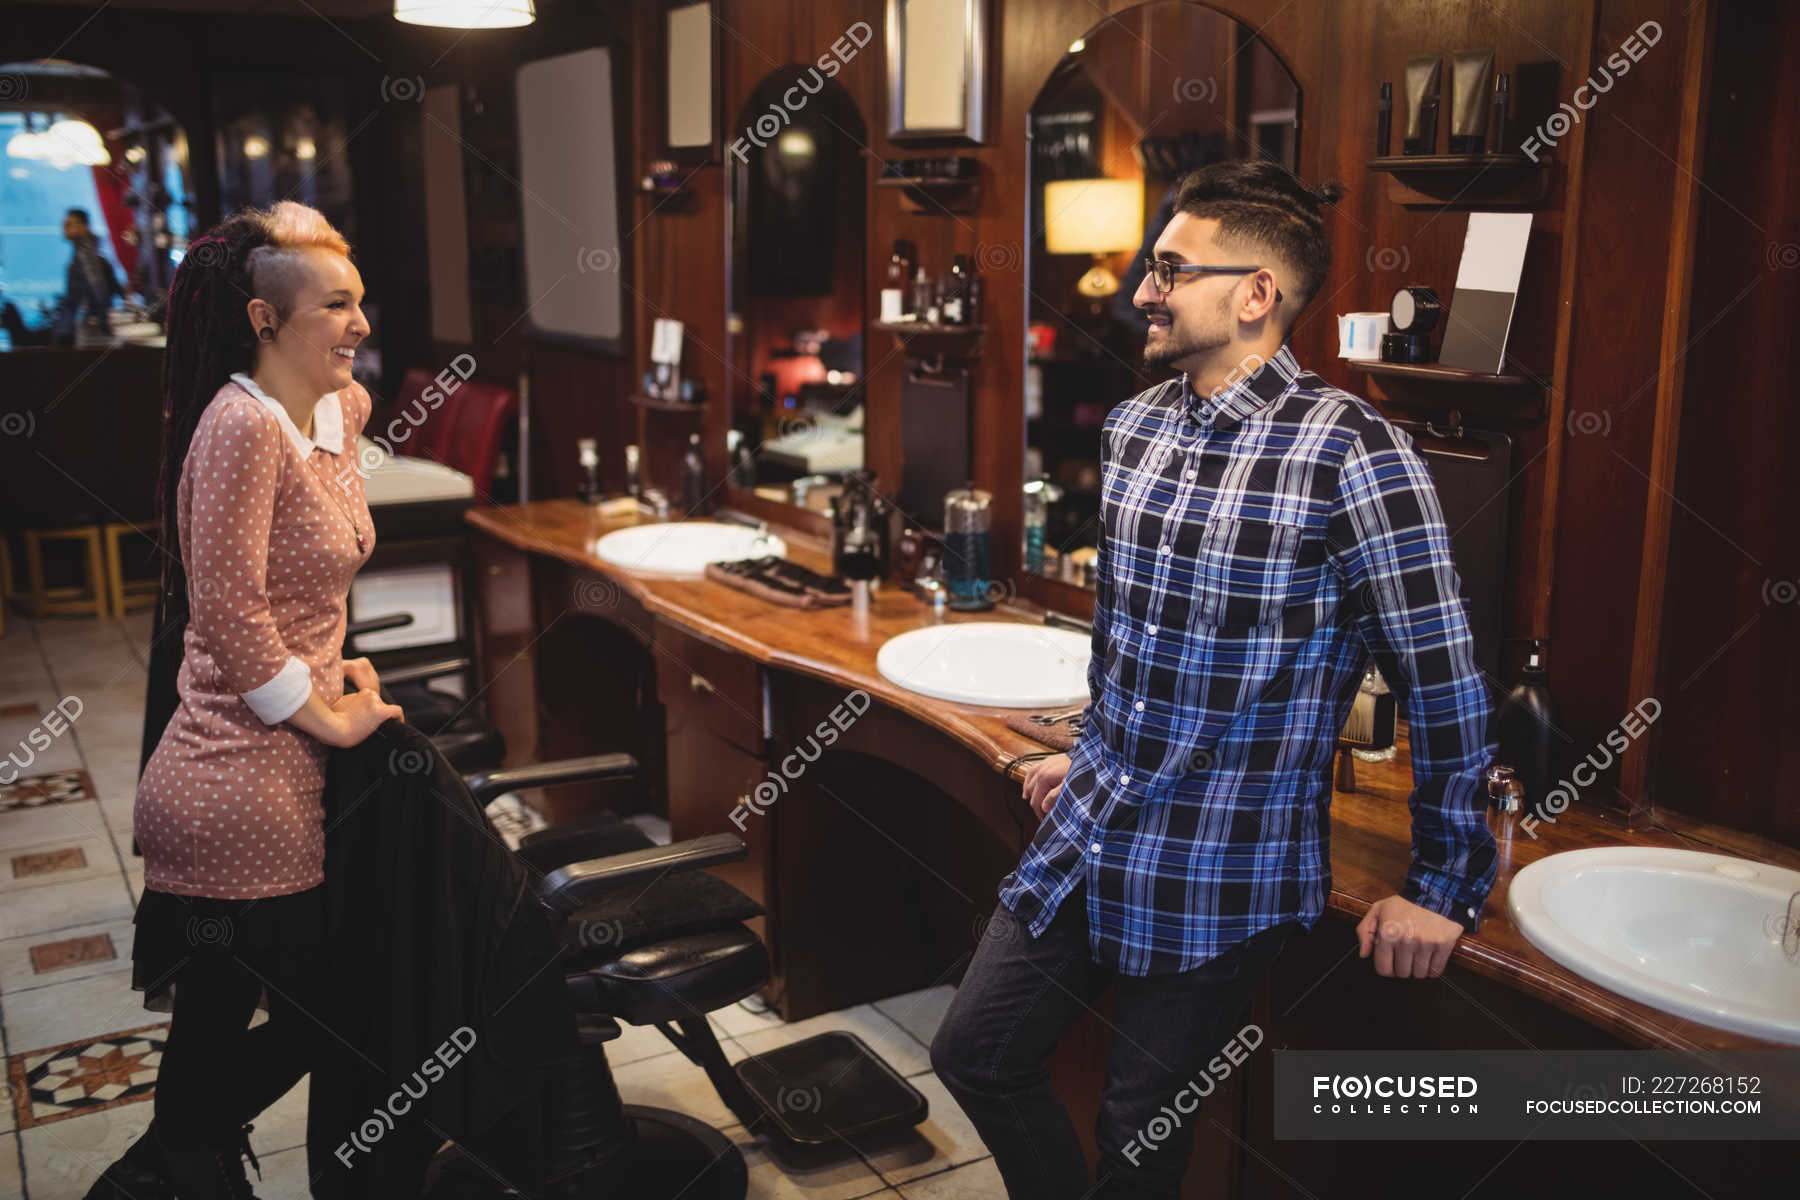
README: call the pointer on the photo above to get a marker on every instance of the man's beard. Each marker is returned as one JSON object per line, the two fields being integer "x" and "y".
{"x": 1173, "y": 348}
{"x": 1177, "y": 345}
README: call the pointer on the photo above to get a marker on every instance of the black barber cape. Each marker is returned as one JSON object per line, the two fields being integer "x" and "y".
{"x": 447, "y": 1004}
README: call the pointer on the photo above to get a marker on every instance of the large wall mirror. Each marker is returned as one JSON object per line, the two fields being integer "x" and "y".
{"x": 1151, "y": 93}
{"x": 797, "y": 212}
{"x": 95, "y": 207}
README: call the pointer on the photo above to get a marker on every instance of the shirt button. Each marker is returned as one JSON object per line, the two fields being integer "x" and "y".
{"x": 1124, "y": 779}
{"x": 1191, "y": 474}
{"x": 1149, "y": 629}
{"x": 1139, "y": 706}
{"x": 1165, "y": 550}
{"x": 1095, "y": 848}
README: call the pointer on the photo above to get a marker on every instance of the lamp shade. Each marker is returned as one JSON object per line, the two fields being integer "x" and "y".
{"x": 1093, "y": 216}
{"x": 466, "y": 14}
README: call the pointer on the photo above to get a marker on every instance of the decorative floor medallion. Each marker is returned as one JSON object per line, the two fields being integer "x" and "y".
{"x": 35, "y": 791}
{"x": 86, "y": 1076}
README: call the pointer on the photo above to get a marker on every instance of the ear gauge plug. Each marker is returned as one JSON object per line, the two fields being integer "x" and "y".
{"x": 265, "y": 334}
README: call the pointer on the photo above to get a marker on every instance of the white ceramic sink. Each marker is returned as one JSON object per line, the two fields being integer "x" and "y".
{"x": 684, "y": 547}
{"x": 1698, "y": 935}
{"x": 990, "y": 662}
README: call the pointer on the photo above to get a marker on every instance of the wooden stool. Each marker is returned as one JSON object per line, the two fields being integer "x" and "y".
{"x": 90, "y": 597}
{"x": 125, "y": 593}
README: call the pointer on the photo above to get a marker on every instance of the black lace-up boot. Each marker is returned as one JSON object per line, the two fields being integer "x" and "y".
{"x": 212, "y": 1172}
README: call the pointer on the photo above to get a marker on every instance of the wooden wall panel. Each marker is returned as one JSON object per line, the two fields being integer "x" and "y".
{"x": 1589, "y": 320}
{"x": 1730, "y": 634}
{"x": 1612, "y": 409}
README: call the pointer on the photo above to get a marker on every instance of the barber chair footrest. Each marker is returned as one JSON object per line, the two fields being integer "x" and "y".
{"x": 827, "y": 1090}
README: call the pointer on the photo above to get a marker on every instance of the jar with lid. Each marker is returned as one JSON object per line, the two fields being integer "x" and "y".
{"x": 968, "y": 517}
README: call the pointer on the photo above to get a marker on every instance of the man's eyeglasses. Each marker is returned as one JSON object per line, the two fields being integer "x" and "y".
{"x": 1163, "y": 273}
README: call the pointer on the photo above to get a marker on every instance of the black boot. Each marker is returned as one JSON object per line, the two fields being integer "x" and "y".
{"x": 141, "y": 1174}
{"x": 212, "y": 1172}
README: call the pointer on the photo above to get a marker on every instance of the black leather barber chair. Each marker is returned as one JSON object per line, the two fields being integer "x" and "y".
{"x": 651, "y": 939}
{"x": 456, "y": 727}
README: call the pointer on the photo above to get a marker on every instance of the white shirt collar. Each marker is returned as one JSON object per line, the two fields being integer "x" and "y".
{"x": 328, "y": 419}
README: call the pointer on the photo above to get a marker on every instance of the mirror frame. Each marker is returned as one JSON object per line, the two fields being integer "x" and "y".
{"x": 1048, "y": 591}
{"x": 740, "y": 499}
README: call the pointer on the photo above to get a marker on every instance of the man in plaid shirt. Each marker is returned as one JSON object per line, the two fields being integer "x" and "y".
{"x": 1263, "y": 534}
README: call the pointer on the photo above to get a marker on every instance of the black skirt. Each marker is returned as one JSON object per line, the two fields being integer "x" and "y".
{"x": 281, "y": 937}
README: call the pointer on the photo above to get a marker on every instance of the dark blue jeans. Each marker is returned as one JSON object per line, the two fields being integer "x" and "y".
{"x": 1021, "y": 993}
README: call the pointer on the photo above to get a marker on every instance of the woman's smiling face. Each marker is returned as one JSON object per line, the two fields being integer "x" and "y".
{"x": 316, "y": 341}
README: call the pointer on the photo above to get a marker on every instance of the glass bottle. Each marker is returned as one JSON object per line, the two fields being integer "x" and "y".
{"x": 1040, "y": 494}
{"x": 1380, "y": 699}
{"x": 589, "y": 487}
{"x": 922, "y": 295}
{"x": 896, "y": 293}
{"x": 954, "y": 310}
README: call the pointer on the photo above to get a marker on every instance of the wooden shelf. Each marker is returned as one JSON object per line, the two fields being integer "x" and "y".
{"x": 1442, "y": 374}
{"x": 1508, "y": 396}
{"x": 678, "y": 198}
{"x": 643, "y": 401}
{"x": 935, "y": 194}
{"x": 1461, "y": 182}
{"x": 935, "y": 341}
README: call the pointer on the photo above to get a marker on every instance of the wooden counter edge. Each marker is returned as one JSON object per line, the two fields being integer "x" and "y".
{"x": 981, "y": 730}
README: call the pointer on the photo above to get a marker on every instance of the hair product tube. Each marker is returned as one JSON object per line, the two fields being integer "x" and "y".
{"x": 1471, "y": 82}
{"x": 1422, "y": 76}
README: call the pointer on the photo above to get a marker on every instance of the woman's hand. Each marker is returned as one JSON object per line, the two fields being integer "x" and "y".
{"x": 361, "y": 672}
{"x": 358, "y": 715}
{"x": 1043, "y": 782}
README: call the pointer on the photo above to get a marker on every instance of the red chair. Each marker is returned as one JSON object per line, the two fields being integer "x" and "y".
{"x": 465, "y": 429}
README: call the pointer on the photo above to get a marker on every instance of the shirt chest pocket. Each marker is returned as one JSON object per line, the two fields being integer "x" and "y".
{"x": 1243, "y": 571}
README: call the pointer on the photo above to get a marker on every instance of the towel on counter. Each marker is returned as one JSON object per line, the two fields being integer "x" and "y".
{"x": 1061, "y": 733}
{"x": 781, "y": 582}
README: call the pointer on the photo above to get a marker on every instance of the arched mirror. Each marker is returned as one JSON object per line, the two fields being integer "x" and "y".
{"x": 1149, "y": 94}
{"x": 797, "y": 212}
{"x": 95, "y": 207}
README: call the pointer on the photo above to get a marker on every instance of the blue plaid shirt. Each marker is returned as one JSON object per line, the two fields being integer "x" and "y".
{"x": 1256, "y": 548}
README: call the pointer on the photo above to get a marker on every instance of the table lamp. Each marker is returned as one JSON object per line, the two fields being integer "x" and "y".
{"x": 1097, "y": 217}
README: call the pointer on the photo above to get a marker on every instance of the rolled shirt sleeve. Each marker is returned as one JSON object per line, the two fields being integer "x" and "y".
{"x": 234, "y": 467}
{"x": 1397, "y": 561}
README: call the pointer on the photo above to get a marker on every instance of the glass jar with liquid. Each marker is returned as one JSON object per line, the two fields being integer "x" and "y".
{"x": 968, "y": 545}
{"x": 1040, "y": 494}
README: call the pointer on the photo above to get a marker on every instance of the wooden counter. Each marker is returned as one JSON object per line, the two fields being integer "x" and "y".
{"x": 1369, "y": 829}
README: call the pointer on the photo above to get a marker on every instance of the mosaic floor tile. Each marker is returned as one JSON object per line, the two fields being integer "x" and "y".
{"x": 87, "y": 1076}
{"x": 31, "y": 791}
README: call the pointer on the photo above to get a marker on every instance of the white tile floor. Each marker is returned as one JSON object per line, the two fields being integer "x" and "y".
{"x": 103, "y": 664}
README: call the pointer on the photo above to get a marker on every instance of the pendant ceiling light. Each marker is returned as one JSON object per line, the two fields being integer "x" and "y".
{"x": 466, "y": 14}
{"x": 67, "y": 143}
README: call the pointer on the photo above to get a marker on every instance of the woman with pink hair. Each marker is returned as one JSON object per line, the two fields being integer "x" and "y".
{"x": 264, "y": 524}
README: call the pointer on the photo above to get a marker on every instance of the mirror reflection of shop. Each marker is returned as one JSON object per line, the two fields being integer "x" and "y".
{"x": 285, "y": 143}
{"x": 95, "y": 207}
{"x": 797, "y": 297}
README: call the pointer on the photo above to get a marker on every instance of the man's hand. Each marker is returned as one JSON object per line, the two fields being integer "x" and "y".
{"x": 1409, "y": 942}
{"x": 361, "y": 672}
{"x": 1043, "y": 782}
